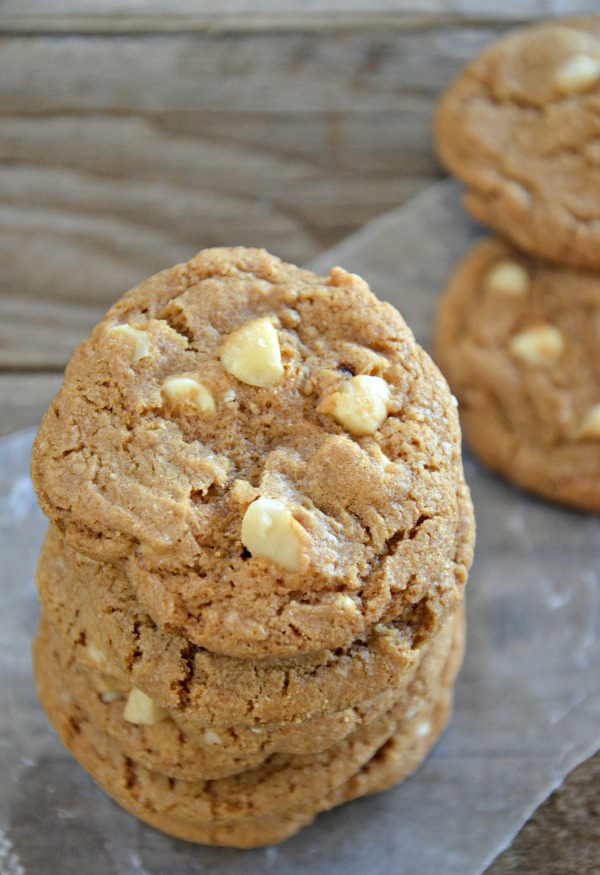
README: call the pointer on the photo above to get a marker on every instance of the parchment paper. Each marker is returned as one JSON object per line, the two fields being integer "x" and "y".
{"x": 528, "y": 700}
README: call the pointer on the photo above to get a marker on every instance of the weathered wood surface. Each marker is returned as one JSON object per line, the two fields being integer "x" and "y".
{"x": 133, "y": 134}
{"x": 119, "y": 16}
{"x": 120, "y": 155}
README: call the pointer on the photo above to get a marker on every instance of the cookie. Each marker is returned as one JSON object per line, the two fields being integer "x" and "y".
{"x": 165, "y": 743}
{"x": 520, "y": 126}
{"x": 93, "y": 609}
{"x": 266, "y": 454}
{"x": 288, "y": 781}
{"x": 283, "y": 788}
{"x": 518, "y": 341}
{"x": 394, "y": 761}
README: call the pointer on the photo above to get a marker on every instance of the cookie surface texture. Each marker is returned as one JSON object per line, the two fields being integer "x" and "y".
{"x": 284, "y": 794}
{"x": 266, "y": 454}
{"x": 518, "y": 341}
{"x": 520, "y": 126}
{"x": 92, "y": 608}
{"x": 182, "y": 749}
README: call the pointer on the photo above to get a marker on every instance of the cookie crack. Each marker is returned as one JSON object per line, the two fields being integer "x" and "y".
{"x": 178, "y": 324}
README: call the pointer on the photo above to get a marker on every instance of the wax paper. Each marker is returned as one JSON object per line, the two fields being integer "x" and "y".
{"x": 528, "y": 699}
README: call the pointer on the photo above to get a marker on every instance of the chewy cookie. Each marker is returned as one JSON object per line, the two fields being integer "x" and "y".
{"x": 95, "y": 613}
{"x": 518, "y": 341}
{"x": 520, "y": 126}
{"x": 392, "y": 763}
{"x": 265, "y": 454}
{"x": 260, "y": 535}
{"x": 183, "y": 749}
{"x": 284, "y": 788}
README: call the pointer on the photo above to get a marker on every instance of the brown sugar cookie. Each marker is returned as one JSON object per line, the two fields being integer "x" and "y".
{"x": 280, "y": 782}
{"x": 162, "y": 741}
{"x": 394, "y": 761}
{"x": 518, "y": 341}
{"x": 284, "y": 789}
{"x": 94, "y": 612}
{"x": 266, "y": 454}
{"x": 520, "y": 126}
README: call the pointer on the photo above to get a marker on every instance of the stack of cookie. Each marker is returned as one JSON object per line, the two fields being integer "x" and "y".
{"x": 252, "y": 584}
{"x": 518, "y": 334}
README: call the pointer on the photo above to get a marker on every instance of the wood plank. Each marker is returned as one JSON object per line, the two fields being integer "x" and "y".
{"x": 88, "y": 207}
{"x": 563, "y": 836}
{"x": 129, "y": 16}
{"x": 114, "y": 162}
{"x": 247, "y": 73}
{"x": 64, "y": 264}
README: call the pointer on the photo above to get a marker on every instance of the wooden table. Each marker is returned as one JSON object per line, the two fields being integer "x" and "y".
{"x": 132, "y": 137}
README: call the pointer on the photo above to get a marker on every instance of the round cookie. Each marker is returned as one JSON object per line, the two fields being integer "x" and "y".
{"x": 518, "y": 341}
{"x": 281, "y": 782}
{"x": 92, "y": 608}
{"x": 394, "y": 762}
{"x": 257, "y": 818}
{"x": 520, "y": 125}
{"x": 183, "y": 750}
{"x": 265, "y": 453}
{"x": 398, "y": 758}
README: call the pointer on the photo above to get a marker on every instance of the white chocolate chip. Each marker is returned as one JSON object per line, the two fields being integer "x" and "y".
{"x": 577, "y": 74}
{"x": 211, "y": 737}
{"x": 424, "y": 728}
{"x": 188, "y": 390}
{"x": 96, "y": 655}
{"x": 507, "y": 278}
{"x": 589, "y": 428}
{"x": 345, "y": 603}
{"x": 141, "y": 709}
{"x": 359, "y": 405}
{"x": 541, "y": 346}
{"x": 109, "y": 696}
{"x": 269, "y": 530}
{"x": 252, "y": 354}
{"x": 139, "y": 340}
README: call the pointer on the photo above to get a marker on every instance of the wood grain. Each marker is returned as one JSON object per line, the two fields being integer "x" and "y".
{"x": 119, "y": 16}
{"x": 120, "y": 155}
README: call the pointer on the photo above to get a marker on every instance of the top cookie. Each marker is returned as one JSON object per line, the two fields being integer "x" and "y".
{"x": 266, "y": 453}
{"x": 518, "y": 340}
{"x": 521, "y": 126}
